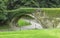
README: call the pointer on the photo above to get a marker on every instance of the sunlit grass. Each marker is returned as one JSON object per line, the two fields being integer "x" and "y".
{"x": 47, "y": 33}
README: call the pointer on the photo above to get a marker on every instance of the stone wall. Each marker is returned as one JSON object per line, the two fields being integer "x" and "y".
{"x": 46, "y": 21}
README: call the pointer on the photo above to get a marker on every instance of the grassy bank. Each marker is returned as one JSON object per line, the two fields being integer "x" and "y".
{"x": 52, "y": 12}
{"x": 31, "y": 34}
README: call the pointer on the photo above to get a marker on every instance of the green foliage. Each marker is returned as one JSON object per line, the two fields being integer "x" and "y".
{"x": 35, "y": 3}
{"x": 38, "y": 3}
{"x": 4, "y": 27}
{"x": 22, "y": 22}
{"x": 2, "y": 17}
{"x": 7, "y": 13}
{"x": 3, "y": 14}
{"x": 13, "y": 8}
{"x": 52, "y": 12}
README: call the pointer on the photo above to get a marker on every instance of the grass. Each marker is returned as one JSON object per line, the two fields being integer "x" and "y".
{"x": 22, "y": 22}
{"x": 52, "y": 12}
{"x": 4, "y": 27}
{"x": 31, "y": 34}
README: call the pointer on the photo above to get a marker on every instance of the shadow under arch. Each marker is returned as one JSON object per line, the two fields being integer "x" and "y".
{"x": 16, "y": 17}
{"x": 14, "y": 21}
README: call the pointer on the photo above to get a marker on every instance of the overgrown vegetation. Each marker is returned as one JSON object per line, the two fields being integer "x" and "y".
{"x": 22, "y": 22}
{"x": 52, "y": 12}
{"x": 34, "y": 3}
{"x": 12, "y": 10}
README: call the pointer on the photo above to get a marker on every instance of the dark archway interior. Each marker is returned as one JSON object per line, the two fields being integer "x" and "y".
{"x": 15, "y": 19}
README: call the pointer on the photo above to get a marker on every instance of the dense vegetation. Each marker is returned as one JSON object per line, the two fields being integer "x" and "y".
{"x": 34, "y": 3}
{"x": 12, "y": 9}
{"x": 7, "y": 14}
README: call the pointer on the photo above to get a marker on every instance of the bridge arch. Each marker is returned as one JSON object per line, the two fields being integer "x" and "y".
{"x": 15, "y": 19}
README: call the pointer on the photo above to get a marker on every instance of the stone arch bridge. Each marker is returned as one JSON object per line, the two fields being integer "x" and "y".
{"x": 39, "y": 15}
{"x": 15, "y": 15}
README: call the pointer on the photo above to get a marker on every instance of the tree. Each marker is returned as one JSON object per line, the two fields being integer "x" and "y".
{"x": 11, "y": 9}
{"x": 11, "y": 16}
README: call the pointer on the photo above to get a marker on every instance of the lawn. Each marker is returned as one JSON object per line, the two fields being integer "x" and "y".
{"x": 47, "y": 33}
